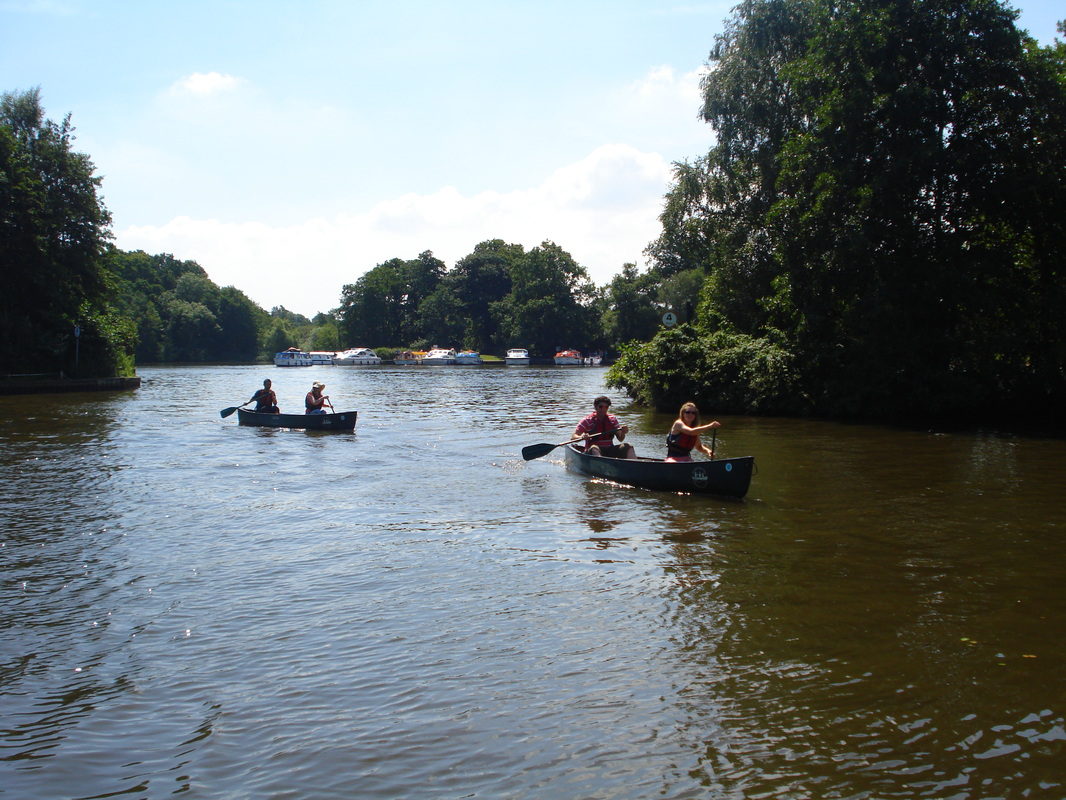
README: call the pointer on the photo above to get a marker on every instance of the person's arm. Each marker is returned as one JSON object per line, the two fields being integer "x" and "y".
{"x": 681, "y": 427}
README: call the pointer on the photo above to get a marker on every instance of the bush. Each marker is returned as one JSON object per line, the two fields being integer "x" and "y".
{"x": 728, "y": 372}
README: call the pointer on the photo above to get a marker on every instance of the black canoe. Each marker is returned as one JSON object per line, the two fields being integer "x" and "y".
{"x": 342, "y": 421}
{"x": 723, "y": 476}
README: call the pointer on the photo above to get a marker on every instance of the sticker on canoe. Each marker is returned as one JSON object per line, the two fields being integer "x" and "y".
{"x": 699, "y": 477}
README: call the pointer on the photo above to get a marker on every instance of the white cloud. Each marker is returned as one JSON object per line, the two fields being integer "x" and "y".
{"x": 662, "y": 87}
{"x": 603, "y": 210}
{"x": 206, "y": 83}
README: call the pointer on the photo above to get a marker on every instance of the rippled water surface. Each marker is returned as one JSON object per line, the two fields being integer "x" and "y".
{"x": 411, "y": 610}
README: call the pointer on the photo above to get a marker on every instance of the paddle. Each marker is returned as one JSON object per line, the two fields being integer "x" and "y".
{"x": 714, "y": 438}
{"x": 538, "y": 450}
{"x": 229, "y": 411}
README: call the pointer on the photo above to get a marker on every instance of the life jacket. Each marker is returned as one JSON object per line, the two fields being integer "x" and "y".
{"x": 680, "y": 444}
{"x": 265, "y": 399}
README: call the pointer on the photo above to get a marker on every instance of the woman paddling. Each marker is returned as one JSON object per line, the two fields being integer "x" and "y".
{"x": 314, "y": 400}
{"x": 684, "y": 436}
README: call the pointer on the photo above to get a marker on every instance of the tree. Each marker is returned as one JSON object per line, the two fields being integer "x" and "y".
{"x": 480, "y": 279}
{"x": 632, "y": 312}
{"x": 886, "y": 201}
{"x": 53, "y": 234}
{"x": 371, "y": 309}
{"x": 548, "y": 307}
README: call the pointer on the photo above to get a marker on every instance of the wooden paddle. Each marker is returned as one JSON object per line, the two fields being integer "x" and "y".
{"x": 229, "y": 411}
{"x": 538, "y": 450}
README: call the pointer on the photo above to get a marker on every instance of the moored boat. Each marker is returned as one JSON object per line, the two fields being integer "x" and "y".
{"x": 516, "y": 356}
{"x": 409, "y": 357}
{"x": 468, "y": 357}
{"x": 439, "y": 356}
{"x": 357, "y": 357}
{"x": 341, "y": 421}
{"x": 293, "y": 357}
{"x": 568, "y": 358}
{"x": 321, "y": 358}
{"x": 729, "y": 477}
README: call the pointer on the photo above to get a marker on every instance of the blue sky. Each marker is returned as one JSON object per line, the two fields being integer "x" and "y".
{"x": 289, "y": 147}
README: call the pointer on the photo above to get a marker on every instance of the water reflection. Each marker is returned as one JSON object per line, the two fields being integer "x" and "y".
{"x": 191, "y": 606}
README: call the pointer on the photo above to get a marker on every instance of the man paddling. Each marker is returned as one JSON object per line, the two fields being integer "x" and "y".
{"x": 266, "y": 402}
{"x": 601, "y": 428}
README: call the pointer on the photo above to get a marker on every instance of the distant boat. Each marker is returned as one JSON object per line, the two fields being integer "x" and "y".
{"x": 593, "y": 360}
{"x": 409, "y": 357}
{"x": 321, "y": 358}
{"x": 357, "y": 357}
{"x": 468, "y": 357}
{"x": 568, "y": 358}
{"x": 517, "y": 357}
{"x": 293, "y": 357}
{"x": 439, "y": 356}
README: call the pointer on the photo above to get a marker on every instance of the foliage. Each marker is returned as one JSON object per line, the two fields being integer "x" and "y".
{"x": 886, "y": 198}
{"x": 181, "y": 314}
{"x": 721, "y": 372}
{"x": 497, "y": 297}
{"x": 53, "y": 232}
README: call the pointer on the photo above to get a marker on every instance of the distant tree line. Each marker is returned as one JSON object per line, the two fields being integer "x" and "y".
{"x": 880, "y": 223}
{"x": 78, "y": 305}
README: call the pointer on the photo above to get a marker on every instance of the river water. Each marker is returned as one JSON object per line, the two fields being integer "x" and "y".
{"x": 190, "y": 607}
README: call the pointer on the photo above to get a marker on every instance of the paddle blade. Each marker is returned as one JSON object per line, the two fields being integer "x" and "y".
{"x": 537, "y": 450}
{"x": 227, "y": 411}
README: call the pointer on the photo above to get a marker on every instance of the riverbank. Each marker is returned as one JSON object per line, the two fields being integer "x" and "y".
{"x": 51, "y": 384}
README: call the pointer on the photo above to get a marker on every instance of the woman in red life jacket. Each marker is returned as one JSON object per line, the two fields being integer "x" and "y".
{"x": 601, "y": 428}
{"x": 314, "y": 400}
{"x": 685, "y": 433}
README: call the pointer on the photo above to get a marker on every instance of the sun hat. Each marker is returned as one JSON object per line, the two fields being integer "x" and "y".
{"x": 317, "y": 385}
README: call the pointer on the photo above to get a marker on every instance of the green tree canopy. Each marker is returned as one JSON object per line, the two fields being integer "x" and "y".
{"x": 53, "y": 233}
{"x": 885, "y": 201}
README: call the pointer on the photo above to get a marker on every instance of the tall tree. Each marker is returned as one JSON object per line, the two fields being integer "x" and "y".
{"x": 886, "y": 199}
{"x": 480, "y": 279}
{"x": 53, "y": 234}
{"x": 549, "y": 304}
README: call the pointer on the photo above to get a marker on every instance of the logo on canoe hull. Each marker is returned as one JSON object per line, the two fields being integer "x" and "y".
{"x": 699, "y": 477}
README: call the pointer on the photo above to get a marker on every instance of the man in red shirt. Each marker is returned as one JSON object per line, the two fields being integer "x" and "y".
{"x": 602, "y": 429}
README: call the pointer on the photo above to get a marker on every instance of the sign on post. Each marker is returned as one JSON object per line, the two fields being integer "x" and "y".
{"x": 669, "y": 319}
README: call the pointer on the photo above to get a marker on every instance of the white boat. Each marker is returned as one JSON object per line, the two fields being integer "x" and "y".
{"x": 320, "y": 358}
{"x": 594, "y": 360}
{"x": 357, "y": 357}
{"x": 516, "y": 356}
{"x": 467, "y": 357}
{"x": 293, "y": 357}
{"x": 568, "y": 358}
{"x": 439, "y": 356}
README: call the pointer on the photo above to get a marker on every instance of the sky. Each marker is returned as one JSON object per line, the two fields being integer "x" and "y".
{"x": 289, "y": 147}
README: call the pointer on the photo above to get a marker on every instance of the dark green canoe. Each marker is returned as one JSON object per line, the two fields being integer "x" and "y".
{"x": 341, "y": 421}
{"x": 729, "y": 477}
